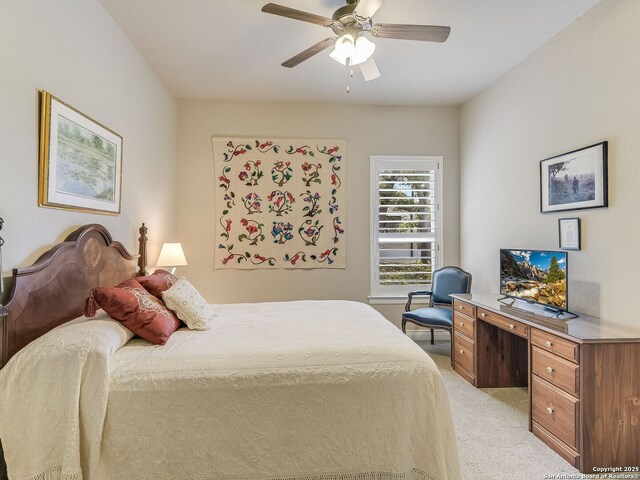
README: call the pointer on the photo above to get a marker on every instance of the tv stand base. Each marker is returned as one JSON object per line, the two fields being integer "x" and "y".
{"x": 560, "y": 314}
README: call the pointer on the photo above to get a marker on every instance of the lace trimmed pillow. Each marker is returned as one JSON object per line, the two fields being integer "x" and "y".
{"x": 157, "y": 282}
{"x": 187, "y": 303}
{"x": 138, "y": 310}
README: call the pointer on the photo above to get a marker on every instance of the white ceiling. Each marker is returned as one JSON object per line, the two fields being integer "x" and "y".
{"x": 230, "y": 50}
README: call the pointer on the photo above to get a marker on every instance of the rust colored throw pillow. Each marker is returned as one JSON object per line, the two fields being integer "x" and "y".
{"x": 157, "y": 282}
{"x": 137, "y": 309}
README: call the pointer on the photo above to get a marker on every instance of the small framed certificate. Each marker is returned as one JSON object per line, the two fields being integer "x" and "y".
{"x": 569, "y": 229}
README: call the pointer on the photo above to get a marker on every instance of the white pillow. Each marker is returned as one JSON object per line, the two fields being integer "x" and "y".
{"x": 188, "y": 304}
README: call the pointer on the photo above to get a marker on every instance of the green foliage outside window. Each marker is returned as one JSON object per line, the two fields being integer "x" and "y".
{"x": 403, "y": 196}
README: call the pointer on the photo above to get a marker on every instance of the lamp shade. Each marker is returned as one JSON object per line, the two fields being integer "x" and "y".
{"x": 344, "y": 49}
{"x": 171, "y": 255}
{"x": 363, "y": 50}
{"x": 352, "y": 51}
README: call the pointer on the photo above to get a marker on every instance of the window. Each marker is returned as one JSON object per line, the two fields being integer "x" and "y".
{"x": 406, "y": 223}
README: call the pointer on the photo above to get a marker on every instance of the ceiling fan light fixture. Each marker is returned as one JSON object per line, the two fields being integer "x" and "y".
{"x": 363, "y": 50}
{"x": 352, "y": 51}
{"x": 345, "y": 49}
{"x": 352, "y": 23}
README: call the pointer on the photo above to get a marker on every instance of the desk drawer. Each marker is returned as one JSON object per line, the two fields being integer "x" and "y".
{"x": 556, "y": 370}
{"x": 464, "y": 324}
{"x": 505, "y": 323}
{"x": 554, "y": 410}
{"x": 468, "y": 376}
{"x": 557, "y": 345}
{"x": 560, "y": 448}
{"x": 463, "y": 352}
{"x": 462, "y": 307}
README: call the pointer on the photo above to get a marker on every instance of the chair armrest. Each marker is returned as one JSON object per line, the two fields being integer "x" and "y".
{"x": 407, "y": 307}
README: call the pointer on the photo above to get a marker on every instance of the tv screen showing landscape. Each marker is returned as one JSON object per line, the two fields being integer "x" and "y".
{"x": 535, "y": 276}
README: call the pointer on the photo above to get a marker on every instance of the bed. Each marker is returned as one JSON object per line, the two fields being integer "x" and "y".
{"x": 284, "y": 390}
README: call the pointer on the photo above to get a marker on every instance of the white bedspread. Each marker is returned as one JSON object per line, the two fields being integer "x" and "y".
{"x": 53, "y": 397}
{"x": 293, "y": 390}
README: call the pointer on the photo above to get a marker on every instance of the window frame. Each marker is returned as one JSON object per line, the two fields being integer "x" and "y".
{"x": 398, "y": 293}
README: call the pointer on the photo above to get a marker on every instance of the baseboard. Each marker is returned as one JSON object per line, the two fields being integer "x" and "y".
{"x": 424, "y": 335}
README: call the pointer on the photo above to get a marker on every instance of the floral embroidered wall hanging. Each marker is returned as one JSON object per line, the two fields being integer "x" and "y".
{"x": 280, "y": 203}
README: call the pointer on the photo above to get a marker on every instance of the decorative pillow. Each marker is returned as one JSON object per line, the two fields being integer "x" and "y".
{"x": 157, "y": 282}
{"x": 190, "y": 307}
{"x": 136, "y": 309}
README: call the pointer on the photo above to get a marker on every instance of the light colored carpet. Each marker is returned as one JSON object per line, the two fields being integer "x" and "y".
{"x": 492, "y": 429}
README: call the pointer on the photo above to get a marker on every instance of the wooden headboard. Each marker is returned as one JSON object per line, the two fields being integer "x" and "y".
{"x": 54, "y": 289}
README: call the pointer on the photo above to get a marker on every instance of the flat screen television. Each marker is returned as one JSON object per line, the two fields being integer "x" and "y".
{"x": 538, "y": 276}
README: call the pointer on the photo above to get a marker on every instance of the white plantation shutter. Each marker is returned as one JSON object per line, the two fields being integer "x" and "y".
{"x": 405, "y": 222}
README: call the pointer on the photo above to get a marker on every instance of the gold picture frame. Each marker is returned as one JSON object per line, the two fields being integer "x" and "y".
{"x": 80, "y": 160}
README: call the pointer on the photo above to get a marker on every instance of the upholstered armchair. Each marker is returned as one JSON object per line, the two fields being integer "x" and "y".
{"x": 438, "y": 314}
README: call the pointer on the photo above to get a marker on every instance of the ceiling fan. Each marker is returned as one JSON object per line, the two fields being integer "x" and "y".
{"x": 351, "y": 24}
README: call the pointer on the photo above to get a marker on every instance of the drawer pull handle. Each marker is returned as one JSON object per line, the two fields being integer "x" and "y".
{"x": 512, "y": 326}
{"x": 462, "y": 324}
{"x": 549, "y": 369}
{"x": 483, "y": 315}
{"x": 550, "y": 410}
{"x": 548, "y": 343}
{"x": 461, "y": 351}
{"x": 461, "y": 307}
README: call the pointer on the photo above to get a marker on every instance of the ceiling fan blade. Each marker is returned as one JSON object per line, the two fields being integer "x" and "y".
{"x": 309, "y": 52}
{"x": 366, "y": 8}
{"x": 296, "y": 14}
{"x": 425, "y": 33}
{"x": 369, "y": 69}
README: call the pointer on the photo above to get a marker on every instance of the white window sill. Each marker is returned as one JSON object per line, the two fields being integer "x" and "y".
{"x": 396, "y": 300}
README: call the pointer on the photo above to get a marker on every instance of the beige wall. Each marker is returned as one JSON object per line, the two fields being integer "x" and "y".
{"x": 74, "y": 49}
{"x": 369, "y": 130}
{"x": 581, "y": 88}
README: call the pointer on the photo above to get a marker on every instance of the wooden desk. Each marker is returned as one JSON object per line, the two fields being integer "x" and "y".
{"x": 583, "y": 376}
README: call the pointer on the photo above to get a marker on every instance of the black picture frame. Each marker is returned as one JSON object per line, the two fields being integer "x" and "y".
{"x": 569, "y": 234}
{"x": 584, "y": 183}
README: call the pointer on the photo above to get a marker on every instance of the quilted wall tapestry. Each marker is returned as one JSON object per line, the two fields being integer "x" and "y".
{"x": 280, "y": 203}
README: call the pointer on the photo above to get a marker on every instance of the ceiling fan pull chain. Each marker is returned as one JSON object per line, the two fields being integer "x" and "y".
{"x": 349, "y": 74}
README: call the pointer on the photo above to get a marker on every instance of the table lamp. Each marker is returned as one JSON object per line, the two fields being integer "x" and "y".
{"x": 171, "y": 256}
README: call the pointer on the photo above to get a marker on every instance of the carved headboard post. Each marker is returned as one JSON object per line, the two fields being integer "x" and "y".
{"x": 3, "y": 310}
{"x": 142, "y": 251}
{"x": 1, "y": 279}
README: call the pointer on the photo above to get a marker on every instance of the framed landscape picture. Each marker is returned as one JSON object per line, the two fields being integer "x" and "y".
{"x": 575, "y": 180}
{"x": 80, "y": 160}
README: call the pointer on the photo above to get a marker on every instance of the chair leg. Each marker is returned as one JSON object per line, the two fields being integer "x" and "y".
{"x": 432, "y": 336}
{"x": 404, "y": 326}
